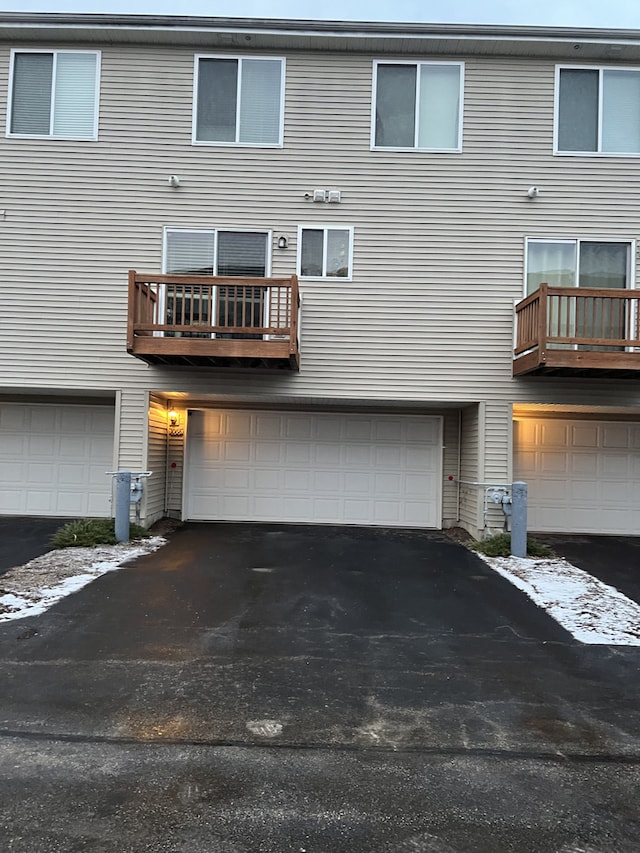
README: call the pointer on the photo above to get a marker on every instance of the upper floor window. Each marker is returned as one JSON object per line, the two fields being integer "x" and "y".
{"x": 325, "y": 252}
{"x": 578, "y": 263}
{"x": 238, "y": 101}
{"x": 418, "y": 105}
{"x": 598, "y": 111}
{"x": 216, "y": 252}
{"x": 54, "y": 94}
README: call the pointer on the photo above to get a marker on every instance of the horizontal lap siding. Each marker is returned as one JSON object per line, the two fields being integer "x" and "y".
{"x": 438, "y": 240}
{"x": 175, "y": 472}
{"x": 450, "y": 430}
{"x": 471, "y": 466}
{"x": 154, "y": 486}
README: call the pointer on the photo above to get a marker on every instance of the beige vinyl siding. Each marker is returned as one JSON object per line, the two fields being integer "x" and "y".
{"x": 438, "y": 243}
{"x": 155, "y": 486}
{"x": 132, "y": 449}
{"x": 450, "y": 434}
{"x": 471, "y": 467}
{"x": 175, "y": 471}
{"x": 439, "y": 238}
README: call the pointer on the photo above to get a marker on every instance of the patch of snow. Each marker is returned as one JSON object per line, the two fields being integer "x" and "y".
{"x": 265, "y": 728}
{"x": 591, "y": 611}
{"x": 31, "y": 589}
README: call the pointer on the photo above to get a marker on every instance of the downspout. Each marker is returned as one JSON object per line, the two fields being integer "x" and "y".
{"x": 459, "y": 471}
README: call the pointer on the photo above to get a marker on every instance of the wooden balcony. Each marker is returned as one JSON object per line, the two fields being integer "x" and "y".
{"x": 573, "y": 331}
{"x": 214, "y": 321}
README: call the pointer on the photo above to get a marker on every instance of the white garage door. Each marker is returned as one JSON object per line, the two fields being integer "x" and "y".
{"x": 306, "y": 467}
{"x": 583, "y": 475}
{"x": 53, "y": 459}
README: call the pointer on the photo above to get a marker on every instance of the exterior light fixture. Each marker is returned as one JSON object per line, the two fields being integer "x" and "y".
{"x": 174, "y": 426}
{"x": 282, "y": 242}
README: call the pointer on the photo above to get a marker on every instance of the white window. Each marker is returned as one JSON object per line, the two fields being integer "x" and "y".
{"x": 54, "y": 94}
{"x": 602, "y": 264}
{"x": 585, "y": 321}
{"x": 222, "y": 253}
{"x": 418, "y": 105}
{"x": 238, "y": 101}
{"x": 216, "y": 252}
{"x": 598, "y": 111}
{"x": 324, "y": 252}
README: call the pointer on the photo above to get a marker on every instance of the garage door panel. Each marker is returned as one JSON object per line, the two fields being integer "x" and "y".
{"x": 584, "y": 436}
{"x": 584, "y": 464}
{"x": 267, "y": 479}
{"x": 297, "y": 454}
{"x": 553, "y": 463}
{"x": 388, "y": 430}
{"x": 42, "y": 445}
{"x": 356, "y": 482}
{"x": 334, "y": 468}
{"x": 298, "y": 481}
{"x": 300, "y": 428}
{"x": 616, "y": 438}
{"x": 553, "y": 434}
{"x": 72, "y": 475}
{"x": 582, "y": 476}
{"x": 615, "y": 466}
{"x": 388, "y": 456}
{"x": 327, "y": 454}
{"x": 420, "y": 458}
{"x": 54, "y": 458}
{"x": 268, "y": 426}
{"x": 327, "y": 481}
{"x": 389, "y": 484}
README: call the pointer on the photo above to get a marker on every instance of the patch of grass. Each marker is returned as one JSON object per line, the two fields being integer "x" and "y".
{"x": 500, "y": 546}
{"x": 85, "y": 532}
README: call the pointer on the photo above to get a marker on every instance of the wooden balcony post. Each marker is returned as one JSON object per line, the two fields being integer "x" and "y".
{"x": 294, "y": 306}
{"x": 131, "y": 312}
{"x": 543, "y": 321}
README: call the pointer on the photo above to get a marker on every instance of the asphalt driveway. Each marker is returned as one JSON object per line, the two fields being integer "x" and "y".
{"x": 22, "y": 538}
{"x": 280, "y": 688}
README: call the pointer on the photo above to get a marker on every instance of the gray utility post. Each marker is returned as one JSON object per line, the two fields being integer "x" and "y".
{"x": 519, "y": 520}
{"x": 123, "y": 502}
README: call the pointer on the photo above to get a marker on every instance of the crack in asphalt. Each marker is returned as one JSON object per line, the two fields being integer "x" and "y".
{"x": 478, "y": 752}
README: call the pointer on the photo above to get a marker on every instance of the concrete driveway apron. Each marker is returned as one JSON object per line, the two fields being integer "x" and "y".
{"x": 389, "y": 647}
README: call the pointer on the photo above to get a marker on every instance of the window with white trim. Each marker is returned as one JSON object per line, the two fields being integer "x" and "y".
{"x": 418, "y": 105}
{"x": 54, "y": 94}
{"x": 583, "y": 264}
{"x": 222, "y": 253}
{"x": 602, "y": 264}
{"x": 324, "y": 252}
{"x": 598, "y": 110}
{"x": 238, "y": 101}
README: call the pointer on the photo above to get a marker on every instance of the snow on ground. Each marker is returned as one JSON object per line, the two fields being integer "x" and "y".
{"x": 592, "y": 611}
{"x": 31, "y": 589}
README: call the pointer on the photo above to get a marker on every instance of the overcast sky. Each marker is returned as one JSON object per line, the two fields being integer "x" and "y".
{"x": 570, "y": 13}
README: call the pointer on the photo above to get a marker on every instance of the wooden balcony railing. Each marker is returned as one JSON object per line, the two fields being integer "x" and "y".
{"x": 569, "y": 330}
{"x": 214, "y": 320}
